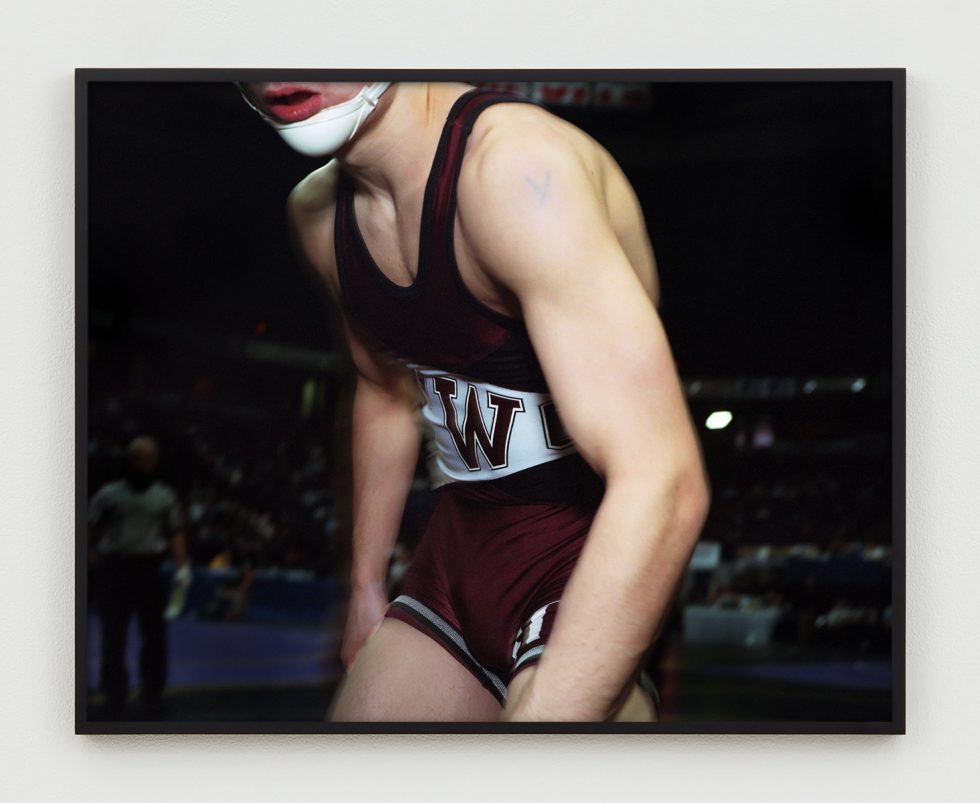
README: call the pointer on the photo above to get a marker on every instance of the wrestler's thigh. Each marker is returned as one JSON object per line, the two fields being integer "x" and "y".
{"x": 636, "y": 708}
{"x": 402, "y": 675}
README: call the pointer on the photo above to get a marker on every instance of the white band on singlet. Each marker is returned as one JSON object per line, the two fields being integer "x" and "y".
{"x": 485, "y": 431}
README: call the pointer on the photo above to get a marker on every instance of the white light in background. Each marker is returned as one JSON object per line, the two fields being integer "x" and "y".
{"x": 858, "y": 385}
{"x": 718, "y": 419}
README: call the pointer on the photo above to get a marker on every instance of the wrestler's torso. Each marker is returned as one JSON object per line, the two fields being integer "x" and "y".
{"x": 413, "y": 287}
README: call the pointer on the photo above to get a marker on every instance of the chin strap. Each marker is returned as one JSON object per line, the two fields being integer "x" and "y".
{"x": 371, "y": 95}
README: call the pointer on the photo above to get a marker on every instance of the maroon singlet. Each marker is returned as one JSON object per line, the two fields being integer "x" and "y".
{"x": 501, "y": 541}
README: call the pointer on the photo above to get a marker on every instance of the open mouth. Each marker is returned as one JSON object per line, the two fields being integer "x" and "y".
{"x": 291, "y": 105}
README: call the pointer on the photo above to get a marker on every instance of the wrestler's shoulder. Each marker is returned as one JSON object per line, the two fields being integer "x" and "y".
{"x": 521, "y": 134}
{"x": 516, "y": 147}
{"x": 316, "y": 193}
{"x": 310, "y": 210}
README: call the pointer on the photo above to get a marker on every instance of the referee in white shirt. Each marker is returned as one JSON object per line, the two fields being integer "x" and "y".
{"x": 133, "y": 522}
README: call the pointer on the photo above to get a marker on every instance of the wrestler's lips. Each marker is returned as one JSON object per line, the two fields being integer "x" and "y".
{"x": 292, "y": 104}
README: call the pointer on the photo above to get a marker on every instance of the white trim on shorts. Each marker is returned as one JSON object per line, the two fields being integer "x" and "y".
{"x": 451, "y": 633}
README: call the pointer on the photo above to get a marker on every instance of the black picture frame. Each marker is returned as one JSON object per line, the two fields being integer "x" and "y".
{"x": 895, "y": 80}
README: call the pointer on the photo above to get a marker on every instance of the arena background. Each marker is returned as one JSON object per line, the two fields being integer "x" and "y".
{"x": 769, "y": 208}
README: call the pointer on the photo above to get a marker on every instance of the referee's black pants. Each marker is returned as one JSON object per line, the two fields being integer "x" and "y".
{"x": 131, "y": 585}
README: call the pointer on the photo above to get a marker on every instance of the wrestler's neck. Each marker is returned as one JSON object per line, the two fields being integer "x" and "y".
{"x": 382, "y": 160}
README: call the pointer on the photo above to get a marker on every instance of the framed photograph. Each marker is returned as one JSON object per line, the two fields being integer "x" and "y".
{"x": 490, "y": 401}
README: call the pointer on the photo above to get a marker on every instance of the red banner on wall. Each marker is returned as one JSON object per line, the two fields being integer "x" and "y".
{"x": 579, "y": 94}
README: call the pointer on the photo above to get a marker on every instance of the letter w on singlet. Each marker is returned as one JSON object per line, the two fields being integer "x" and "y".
{"x": 474, "y": 432}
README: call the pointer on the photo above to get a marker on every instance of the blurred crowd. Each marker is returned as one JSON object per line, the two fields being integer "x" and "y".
{"x": 800, "y": 514}
{"x": 802, "y": 522}
{"x": 254, "y": 485}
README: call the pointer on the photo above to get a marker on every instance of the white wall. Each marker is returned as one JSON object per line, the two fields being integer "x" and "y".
{"x": 42, "y": 41}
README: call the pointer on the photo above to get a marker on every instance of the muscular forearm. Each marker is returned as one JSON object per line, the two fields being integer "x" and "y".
{"x": 385, "y": 451}
{"x": 616, "y": 600}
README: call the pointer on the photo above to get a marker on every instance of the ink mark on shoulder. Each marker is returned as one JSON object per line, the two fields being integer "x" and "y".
{"x": 543, "y": 189}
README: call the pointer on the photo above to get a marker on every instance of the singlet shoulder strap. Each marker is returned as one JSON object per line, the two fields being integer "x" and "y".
{"x": 343, "y": 233}
{"x": 459, "y": 125}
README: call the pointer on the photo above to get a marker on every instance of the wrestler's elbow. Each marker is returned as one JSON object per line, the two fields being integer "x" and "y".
{"x": 670, "y": 492}
{"x": 692, "y": 499}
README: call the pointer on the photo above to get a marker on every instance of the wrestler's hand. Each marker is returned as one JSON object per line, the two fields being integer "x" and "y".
{"x": 367, "y": 609}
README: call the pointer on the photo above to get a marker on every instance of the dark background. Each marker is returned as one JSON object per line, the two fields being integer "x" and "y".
{"x": 768, "y": 205}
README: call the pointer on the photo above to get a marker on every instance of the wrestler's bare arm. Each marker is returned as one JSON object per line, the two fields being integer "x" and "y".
{"x": 385, "y": 440}
{"x": 543, "y": 230}
{"x": 385, "y": 430}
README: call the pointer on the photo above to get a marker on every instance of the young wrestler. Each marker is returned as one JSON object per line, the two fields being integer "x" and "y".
{"x": 497, "y": 256}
